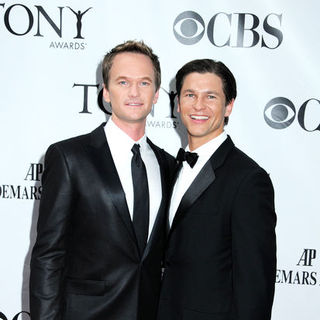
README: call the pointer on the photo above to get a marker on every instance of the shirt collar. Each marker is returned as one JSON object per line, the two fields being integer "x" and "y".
{"x": 118, "y": 137}
{"x": 206, "y": 150}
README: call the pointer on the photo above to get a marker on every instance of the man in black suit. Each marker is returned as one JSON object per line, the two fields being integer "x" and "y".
{"x": 221, "y": 256}
{"x": 102, "y": 219}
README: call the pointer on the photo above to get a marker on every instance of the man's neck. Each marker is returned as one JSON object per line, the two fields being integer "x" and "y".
{"x": 135, "y": 130}
{"x": 197, "y": 142}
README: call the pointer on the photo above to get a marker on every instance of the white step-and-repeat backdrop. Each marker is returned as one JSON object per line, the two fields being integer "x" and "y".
{"x": 50, "y": 86}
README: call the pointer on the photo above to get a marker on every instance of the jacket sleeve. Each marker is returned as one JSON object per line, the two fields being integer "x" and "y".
{"x": 49, "y": 252}
{"x": 254, "y": 247}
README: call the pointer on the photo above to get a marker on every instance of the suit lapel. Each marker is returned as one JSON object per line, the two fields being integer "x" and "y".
{"x": 100, "y": 154}
{"x": 164, "y": 186}
{"x": 178, "y": 167}
{"x": 203, "y": 180}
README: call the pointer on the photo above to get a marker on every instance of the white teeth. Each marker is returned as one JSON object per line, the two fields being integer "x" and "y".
{"x": 199, "y": 117}
{"x": 134, "y": 104}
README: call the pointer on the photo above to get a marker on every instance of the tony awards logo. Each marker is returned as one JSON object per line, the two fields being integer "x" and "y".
{"x": 86, "y": 91}
{"x": 63, "y": 22}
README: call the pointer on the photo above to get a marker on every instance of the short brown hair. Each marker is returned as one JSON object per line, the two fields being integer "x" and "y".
{"x": 135, "y": 47}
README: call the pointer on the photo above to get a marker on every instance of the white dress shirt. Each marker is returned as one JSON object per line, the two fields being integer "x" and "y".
{"x": 188, "y": 174}
{"x": 120, "y": 145}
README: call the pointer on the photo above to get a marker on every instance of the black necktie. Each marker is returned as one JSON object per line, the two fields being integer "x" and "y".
{"x": 141, "y": 198}
{"x": 190, "y": 157}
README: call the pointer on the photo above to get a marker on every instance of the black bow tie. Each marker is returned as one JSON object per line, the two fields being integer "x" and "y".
{"x": 190, "y": 157}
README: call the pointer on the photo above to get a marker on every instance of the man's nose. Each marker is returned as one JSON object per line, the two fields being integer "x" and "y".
{"x": 198, "y": 104}
{"x": 134, "y": 90}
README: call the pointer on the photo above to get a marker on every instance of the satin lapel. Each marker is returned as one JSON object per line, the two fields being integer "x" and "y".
{"x": 164, "y": 187}
{"x": 178, "y": 167}
{"x": 100, "y": 155}
{"x": 202, "y": 181}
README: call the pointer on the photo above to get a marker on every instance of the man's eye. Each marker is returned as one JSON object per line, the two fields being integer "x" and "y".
{"x": 145, "y": 83}
{"x": 190, "y": 95}
{"x": 210, "y": 96}
{"x": 123, "y": 82}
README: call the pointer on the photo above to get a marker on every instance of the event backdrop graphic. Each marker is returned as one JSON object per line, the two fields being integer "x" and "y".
{"x": 51, "y": 86}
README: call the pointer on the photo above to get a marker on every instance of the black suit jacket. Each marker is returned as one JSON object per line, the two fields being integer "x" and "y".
{"x": 86, "y": 263}
{"x": 221, "y": 254}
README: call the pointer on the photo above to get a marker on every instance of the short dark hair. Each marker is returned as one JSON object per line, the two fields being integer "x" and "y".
{"x": 216, "y": 67}
{"x": 134, "y": 47}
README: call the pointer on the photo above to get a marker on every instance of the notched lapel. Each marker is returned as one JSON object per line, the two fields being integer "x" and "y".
{"x": 202, "y": 181}
{"x": 164, "y": 188}
{"x": 100, "y": 155}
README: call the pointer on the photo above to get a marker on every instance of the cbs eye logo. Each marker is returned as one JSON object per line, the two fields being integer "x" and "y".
{"x": 280, "y": 112}
{"x": 188, "y": 27}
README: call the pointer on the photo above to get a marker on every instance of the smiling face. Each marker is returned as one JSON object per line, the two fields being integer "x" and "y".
{"x": 131, "y": 89}
{"x": 202, "y": 105}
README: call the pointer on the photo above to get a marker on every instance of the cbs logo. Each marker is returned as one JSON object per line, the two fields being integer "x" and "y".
{"x": 238, "y": 30}
{"x": 280, "y": 112}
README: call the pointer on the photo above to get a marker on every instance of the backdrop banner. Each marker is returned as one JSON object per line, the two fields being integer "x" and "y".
{"x": 51, "y": 89}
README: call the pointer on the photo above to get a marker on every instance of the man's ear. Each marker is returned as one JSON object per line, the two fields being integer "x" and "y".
{"x": 106, "y": 94}
{"x": 229, "y": 108}
{"x": 178, "y": 104}
{"x": 156, "y": 96}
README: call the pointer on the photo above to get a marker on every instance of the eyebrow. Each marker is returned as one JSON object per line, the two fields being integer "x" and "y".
{"x": 188, "y": 90}
{"x": 212, "y": 92}
{"x": 140, "y": 78}
{"x": 207, "y": 91}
